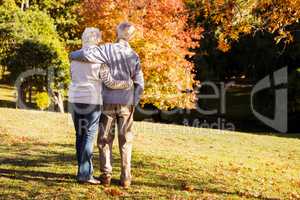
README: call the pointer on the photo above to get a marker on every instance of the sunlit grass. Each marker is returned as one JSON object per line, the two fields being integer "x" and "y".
{"x": 169, "y": 162}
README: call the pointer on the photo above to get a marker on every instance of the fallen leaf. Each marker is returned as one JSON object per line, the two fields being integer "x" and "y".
{"x": 113, "y": 192}
{"x": 188, "y": 187}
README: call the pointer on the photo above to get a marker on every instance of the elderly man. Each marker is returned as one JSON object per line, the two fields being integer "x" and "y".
{"x": 85, "y": 99}
{"x": 119, "y": 105}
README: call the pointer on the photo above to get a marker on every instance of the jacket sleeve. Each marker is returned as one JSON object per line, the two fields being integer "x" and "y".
{"x": 92, "y": 55}
{"x": 138, "y": 80}
{"x": 109, "y": 82}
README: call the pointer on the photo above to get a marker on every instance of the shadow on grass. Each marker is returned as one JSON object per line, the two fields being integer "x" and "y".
{"x": 39, "y": 161}
{"x": 27, "y": 162}
{"x": 7, "y": 104}
{"x": 152, "y": 171}
{"x": 37, "y": 155}
{"x": 34, "y": 154}
{"x": 29, "y": 175}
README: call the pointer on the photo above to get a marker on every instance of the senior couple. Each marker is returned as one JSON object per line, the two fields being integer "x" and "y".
{"x": 107, "y": 82}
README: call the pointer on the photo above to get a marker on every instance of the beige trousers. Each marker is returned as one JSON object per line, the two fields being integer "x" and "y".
{"x": 123, "y": 116}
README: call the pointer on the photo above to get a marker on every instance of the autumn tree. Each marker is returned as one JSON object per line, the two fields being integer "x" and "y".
{"x": 162, "y": 41}
{"x": 258, "y": 36}
{"x": 229, "y": 19}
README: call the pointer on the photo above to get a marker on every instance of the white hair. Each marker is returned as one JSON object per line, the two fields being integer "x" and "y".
{"x": 90, "y": 36}
{"x": 125, "y": 30}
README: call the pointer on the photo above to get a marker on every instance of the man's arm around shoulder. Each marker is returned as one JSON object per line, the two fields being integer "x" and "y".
{"x": 92, "y": 54}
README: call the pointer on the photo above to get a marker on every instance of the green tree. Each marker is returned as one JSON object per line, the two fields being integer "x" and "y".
{"x": 30, "y": 41}
{"x": 66, "y": 16}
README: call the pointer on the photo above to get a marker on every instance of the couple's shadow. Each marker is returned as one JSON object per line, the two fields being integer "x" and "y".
{"x": 40, "y": 176}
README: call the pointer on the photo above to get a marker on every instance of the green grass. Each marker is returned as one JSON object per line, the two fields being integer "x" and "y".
{"x": 37, "y": 161}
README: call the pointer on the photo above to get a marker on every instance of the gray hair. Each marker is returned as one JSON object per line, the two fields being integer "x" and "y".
{"x": 125, "y": 30}
{"x": 90, "y": 36}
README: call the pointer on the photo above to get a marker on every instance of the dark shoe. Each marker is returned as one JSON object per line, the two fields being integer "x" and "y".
{"x": 125, "y": 184}
{"x": 91, "y": 181}
{"x": 105, "y": 180}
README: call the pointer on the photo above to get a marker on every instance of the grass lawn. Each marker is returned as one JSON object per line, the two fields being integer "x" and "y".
{"x": 37, "y": 161}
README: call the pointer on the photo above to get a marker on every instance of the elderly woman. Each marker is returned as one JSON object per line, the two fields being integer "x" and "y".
{"x": 85, "y": 100}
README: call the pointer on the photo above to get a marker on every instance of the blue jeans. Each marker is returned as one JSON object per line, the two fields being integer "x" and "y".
{"x": 86, "y": 122}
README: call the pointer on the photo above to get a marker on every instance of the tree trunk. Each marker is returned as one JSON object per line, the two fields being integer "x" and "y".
{"x": 30, "y": 93}
{"x": 21, "y": 97}
{"x": 58, "y": 100}
{"x": 24, "y": 5}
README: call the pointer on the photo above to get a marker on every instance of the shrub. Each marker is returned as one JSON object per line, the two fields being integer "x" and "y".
{"x": 29, "y": 40}
{"x": 43, "y": 100}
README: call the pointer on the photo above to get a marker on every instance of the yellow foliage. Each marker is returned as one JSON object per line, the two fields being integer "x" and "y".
{"x": 43, "y": 100}
{"x": 235, "y": 17}
{"x": 162, "y": 41}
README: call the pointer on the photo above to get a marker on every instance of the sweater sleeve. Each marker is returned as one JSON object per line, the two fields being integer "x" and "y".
{"x": 138, "y": 79}
{"x": 109, "y": 82}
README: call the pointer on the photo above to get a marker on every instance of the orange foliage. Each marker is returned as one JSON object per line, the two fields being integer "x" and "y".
{"x": 233, "y": 18}
{"x": 162, "y": 41}
{"x": 277, "y": 16}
